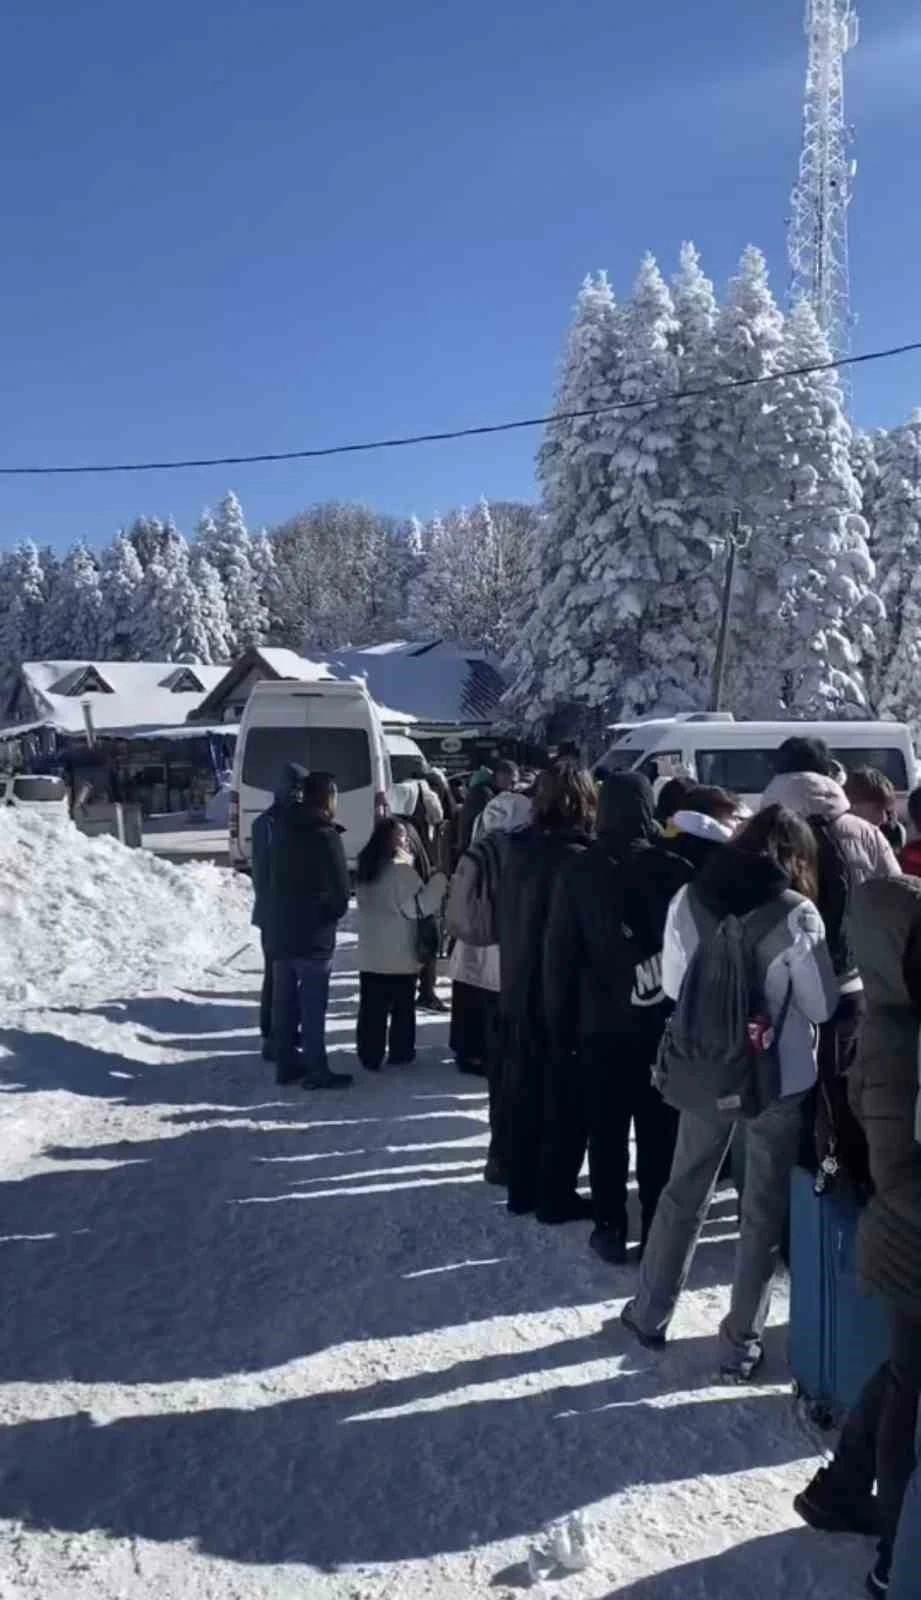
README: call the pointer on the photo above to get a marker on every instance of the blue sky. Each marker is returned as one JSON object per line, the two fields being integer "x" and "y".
{"x": 264, "y": 224}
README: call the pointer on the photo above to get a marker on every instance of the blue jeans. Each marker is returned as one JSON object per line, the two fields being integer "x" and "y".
{"x": 906, "y": 1556}
{"x": 300, "y": 996}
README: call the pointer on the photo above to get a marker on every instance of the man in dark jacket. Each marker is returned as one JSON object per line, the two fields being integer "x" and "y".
{"x": 308, "y": 894}
{"x": 483, "y": 785}
{"x": 289, "y": 792}
{"x": 604, "y": 1001}
{"x": 877, "y": 1441}
{"x": 545, "y": 1133}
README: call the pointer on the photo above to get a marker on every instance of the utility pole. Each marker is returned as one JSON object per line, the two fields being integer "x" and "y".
{"x": 817, "y": 238}
{"x": 738, "y": 538}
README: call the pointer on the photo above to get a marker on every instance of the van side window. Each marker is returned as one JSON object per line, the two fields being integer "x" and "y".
{"x": 887, "y": 759}
{"x": 345, "y": 752}
{"x": 664, "y": 764}
{"x": 740, "y": 771}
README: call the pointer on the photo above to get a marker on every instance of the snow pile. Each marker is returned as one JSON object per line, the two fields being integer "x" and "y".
{"x": 86, "y": 919}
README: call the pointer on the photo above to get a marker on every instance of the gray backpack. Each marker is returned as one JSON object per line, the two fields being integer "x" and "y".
{"x": 719, "y": 1052}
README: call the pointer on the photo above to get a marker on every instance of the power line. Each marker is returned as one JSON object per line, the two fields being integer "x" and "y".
{"x": 482, "y": 429}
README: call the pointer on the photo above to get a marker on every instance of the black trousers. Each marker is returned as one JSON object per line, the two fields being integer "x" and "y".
{"x": 878, "y": 1438}
{"x": 543, "y": 1113}
{"x": 386, "y": 1015}
{"x": 265, "y": 999}
{"x": 471, "y": 1010}
{"x": 619, "y": 1092}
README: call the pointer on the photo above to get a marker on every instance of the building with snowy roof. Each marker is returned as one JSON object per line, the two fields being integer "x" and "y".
{"x": 119, "y": 696}
{"x": 122, "y": 725}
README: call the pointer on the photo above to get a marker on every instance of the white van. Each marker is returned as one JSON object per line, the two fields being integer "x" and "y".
{"x": 325, "y": 726}
{"x": 35, "y": 792}
{"x": 739, "y": 756}
{"x": 407, "y": 761}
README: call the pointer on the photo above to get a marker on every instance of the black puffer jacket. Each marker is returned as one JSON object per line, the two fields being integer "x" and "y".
{"x": 531, "y": 863}
{"x": 603, "y": 947}
{"x": 883, "y": 1084}
{"x": 308, "y": 885}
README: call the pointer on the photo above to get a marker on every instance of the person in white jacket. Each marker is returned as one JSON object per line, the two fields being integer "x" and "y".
{"x": 774, "y": 854}
{"x": 392, "y": 899}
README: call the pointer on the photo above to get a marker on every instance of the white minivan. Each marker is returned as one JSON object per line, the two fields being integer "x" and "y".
{"x": 326, "y": 726}
{"x": 739, "y": 756}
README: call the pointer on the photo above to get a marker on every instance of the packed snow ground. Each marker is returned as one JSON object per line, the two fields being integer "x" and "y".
{"x": 258, "y": 1343}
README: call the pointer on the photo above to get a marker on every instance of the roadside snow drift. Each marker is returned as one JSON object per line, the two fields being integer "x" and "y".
{"x": 87, "y": 919}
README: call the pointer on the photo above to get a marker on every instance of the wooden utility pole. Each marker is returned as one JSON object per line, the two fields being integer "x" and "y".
{"x": 737, "y": 539}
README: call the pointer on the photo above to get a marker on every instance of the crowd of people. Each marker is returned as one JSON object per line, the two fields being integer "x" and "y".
{"x": 740, "y": 992}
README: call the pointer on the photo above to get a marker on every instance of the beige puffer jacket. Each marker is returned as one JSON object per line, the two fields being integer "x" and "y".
{"x": 869, "y": 854}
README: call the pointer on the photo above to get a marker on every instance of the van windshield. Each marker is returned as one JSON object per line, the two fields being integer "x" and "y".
{"x": 345, "y": 752}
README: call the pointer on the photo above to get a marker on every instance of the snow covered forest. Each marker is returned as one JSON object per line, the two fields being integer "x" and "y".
{"x": 604, "y": 600}
{"x": 333, "y": 575}
{"x": 627, "y": 571}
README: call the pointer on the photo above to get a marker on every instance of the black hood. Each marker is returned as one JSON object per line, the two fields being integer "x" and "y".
{"x": 626, "y": 812}
{"x": 734, "y": 882}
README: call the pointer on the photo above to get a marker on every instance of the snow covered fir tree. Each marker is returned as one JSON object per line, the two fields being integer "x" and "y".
{"x": 713, "y": 430}
{"x": 684, "y": 422}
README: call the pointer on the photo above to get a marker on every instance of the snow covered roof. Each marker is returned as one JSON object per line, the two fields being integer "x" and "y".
{"x": 123, "y": 694}
{"x": 430, "y": 682}
{"x": 271, "y": 662}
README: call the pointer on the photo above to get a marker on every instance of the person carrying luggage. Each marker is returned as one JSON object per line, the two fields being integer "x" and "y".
{"x": 605, "y": 1004}
{"x": 877, "y": 1441}
{"x": 746, "y": 959}
{"x": 850, "y": 851}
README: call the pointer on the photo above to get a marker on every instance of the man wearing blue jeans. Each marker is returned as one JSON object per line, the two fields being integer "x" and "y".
{"x": 309, "y": 893}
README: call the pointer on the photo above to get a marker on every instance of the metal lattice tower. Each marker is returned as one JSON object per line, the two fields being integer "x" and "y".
{"x": 822, "y": 193}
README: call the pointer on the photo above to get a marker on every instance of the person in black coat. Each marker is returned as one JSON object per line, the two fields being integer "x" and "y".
{"x": 308, "y": 894}
{"x": 545, "y": 1135}
{"x": 605, "y": 1005}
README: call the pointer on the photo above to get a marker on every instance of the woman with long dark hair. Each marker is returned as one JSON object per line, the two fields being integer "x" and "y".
{"x": 392, "y": 900}
{"x": 771, "y": 869}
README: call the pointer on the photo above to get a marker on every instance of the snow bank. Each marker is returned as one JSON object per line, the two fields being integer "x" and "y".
{"x": 86, "y": 919}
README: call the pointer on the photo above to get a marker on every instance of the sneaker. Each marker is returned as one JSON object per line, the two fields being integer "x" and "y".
{"x": 323, "y": 1078}
{"x": 573, "y": 1207}
{"x": 743, "y": 1369}
{"x": 823, "y": 1506}
{"x": 433, "y": 1002}
{"x": 878, "y": 1577}
{"x": 610, "y": 1244}
{"x": 649, "y": 1341}
{"x": 401, "y": 1061}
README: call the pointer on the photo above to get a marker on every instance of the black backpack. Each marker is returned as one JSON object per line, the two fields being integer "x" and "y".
{"x": 718, "y": 1055}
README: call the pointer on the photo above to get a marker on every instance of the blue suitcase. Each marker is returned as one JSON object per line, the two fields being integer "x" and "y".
{"x": 838, "y": 1336}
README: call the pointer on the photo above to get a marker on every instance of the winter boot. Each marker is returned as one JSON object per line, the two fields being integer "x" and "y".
{"x": 573, "y": 1207}
{"x": 826, "y": 1506}
{"x": 610, "y": 1244}
{"x": 649, "y": 1341}
{"x": 323, "y": 1078}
